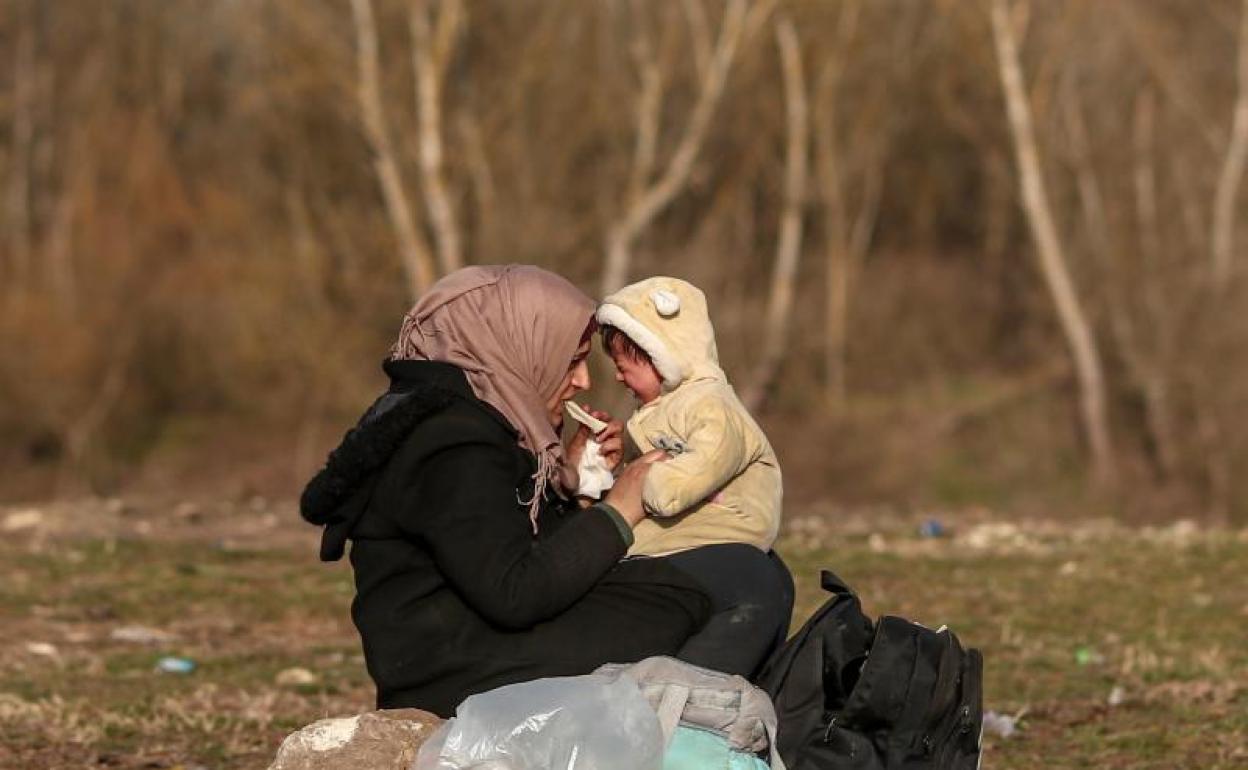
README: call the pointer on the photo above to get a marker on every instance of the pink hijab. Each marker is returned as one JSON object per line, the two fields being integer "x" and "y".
{"x": 513, "y": 330}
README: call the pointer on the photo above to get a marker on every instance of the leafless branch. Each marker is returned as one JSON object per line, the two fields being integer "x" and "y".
{"x": 699, "y": 33}
{"x": 1146, "y": 375}
{"x": 431, "y": 52}
{"x": 417, "y": 261}
{"x": 657, "y": 195}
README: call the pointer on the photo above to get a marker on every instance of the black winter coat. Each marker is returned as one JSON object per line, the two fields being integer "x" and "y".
{"x": 454, "y": 593}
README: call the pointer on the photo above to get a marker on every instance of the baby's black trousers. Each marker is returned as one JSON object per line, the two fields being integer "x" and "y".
{"x": 752, "y": 602}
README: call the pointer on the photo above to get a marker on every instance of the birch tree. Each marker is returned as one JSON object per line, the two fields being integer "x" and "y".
{"x": 847, "y": 233}
{"x": 22, "y": 140}
{"x": 789, "y": 240}
{"x": 414, "y": 251}
{"x": 648, "y": 196}
{"x": 1049, "y": 251}
{"x": 432, "y": 46}
{"x": 1232, "y": 169}
{"x": 1147, "y": 375}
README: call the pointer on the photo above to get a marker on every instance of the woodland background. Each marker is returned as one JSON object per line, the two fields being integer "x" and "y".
{"x": 959, "y": 253}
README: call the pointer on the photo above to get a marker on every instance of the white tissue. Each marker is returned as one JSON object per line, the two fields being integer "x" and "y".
{"x": 595, "y": 476}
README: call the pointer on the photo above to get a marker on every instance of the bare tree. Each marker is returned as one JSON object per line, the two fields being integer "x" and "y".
{"x": 1147, "y": 375}
{"x": 1074, "y": 323}
{"x": 1167, "y": 76}
{"x": 80, "y": 431}
{"x": 848, "y": 234}
{"x": 1232, "y": 169}
{"x": 647, "y": 198}
{"x": 414, "y": 251}
{"x": 482, "y": 180}
{"x": 789, "y": 241}
{"x": 431, "y": 53}
{"x": 22, "y": 132}
{"x": 58, "y": 250}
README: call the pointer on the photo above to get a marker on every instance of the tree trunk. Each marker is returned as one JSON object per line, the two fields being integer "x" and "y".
{"x": 1146, "y": 375}
{"x": 846, "y": 241}
{"x": 417, "y": 261}
{"x": 431, "y": 51}
{"x": 657, "y": 196}
{"x": 1074, "y": 323}
{"x": 789, "y": 243}
{"x": 22, "y": 132}
{"x": 1232, "y": 171}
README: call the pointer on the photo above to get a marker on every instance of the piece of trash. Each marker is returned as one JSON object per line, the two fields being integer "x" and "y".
{"x": 1068, "y": 569}
{"x": 189, "y": 512}
{"x": 140, "y": 635}
{"x": 27, "y": 518}
{"x": 171, "y": 665}
{"x": 1117, "y": 696}
{"x": 43, "y": 648}
{"x": 1086, "y": 656}
{"x": 877, "y": 543}
{"x": 931, "y": 528}
{"x": 296, "y": 677}
{"x": 1000, "y": 725}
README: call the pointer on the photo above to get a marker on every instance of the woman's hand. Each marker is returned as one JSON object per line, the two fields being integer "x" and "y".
{"x": 625, "y": 496}
{"x": 610, "y": 439}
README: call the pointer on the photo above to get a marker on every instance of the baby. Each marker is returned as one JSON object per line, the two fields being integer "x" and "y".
{"x": 714, "y": 504}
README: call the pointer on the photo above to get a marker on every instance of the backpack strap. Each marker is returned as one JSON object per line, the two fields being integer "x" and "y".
{"x": 833, "y": 584}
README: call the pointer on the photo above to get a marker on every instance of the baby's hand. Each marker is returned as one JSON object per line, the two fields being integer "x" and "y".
{"x": 625, "y": 496}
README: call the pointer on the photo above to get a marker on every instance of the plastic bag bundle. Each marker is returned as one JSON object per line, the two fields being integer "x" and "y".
{"x": 564, "y": 723}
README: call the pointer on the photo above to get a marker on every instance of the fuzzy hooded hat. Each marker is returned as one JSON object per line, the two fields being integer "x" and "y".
{"x": 667, "y": 318}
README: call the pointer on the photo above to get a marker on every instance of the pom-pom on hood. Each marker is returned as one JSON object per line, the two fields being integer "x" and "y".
{"x": 667, "y": 318}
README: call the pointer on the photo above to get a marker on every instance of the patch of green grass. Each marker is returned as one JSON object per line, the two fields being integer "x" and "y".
{"x": 1163, "y": 622}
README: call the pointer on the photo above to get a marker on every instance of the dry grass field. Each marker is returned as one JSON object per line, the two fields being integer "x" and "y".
{"x": 1115, "y": 648}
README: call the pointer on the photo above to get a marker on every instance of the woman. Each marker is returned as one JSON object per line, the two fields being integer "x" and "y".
{"x": 472, "y": 569}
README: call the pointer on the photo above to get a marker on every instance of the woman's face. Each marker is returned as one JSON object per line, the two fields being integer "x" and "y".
{"x": 574, "y": 381}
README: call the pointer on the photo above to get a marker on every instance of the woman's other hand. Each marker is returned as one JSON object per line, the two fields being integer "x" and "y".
{"x": 625, "y": 496}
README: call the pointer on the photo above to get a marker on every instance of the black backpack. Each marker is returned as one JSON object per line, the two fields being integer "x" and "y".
{"x": 852, "y": 694}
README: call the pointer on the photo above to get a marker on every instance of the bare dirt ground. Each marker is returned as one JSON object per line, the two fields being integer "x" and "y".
{"x": 1108, "y": 646}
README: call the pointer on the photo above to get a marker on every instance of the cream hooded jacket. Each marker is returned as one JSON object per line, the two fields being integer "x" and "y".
{"x": 722, "y": 483}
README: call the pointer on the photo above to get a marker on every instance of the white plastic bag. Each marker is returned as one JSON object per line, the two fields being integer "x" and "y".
{"x": 565, "y": 723}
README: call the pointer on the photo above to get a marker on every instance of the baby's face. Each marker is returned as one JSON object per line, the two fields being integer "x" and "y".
{"x": 638, "y": 376}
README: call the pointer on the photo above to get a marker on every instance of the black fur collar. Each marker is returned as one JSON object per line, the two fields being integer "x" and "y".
{"x": 366, "y": 448}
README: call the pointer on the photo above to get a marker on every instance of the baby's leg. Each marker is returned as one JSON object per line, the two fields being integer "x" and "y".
{"x": 752, "y": 600}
